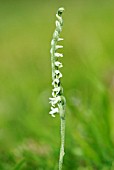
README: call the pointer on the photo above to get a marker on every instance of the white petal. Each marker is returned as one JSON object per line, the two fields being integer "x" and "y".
{"x": 55, "y": 82}
{"x": 58, "y": 64}
{"x": 52, "y": 42}
{"x": 56, "y": 91}
{"x": 53, "y": 115}
{"x": 51, "y": 51}
{"x": 53, "y": 111}
{"x": 61, "y": 9}
{"x": 58, "y": 55}
{"x": 54, "y": 100}
{"x": 60, "y": 39}
{"x": 58, "y": 46}
{"x": 58, "y": 74}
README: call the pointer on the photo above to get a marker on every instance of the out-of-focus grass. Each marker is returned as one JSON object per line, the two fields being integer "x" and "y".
{"x": 29, "y": 137}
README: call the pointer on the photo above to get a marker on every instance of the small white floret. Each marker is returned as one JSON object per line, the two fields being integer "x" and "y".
{"x": 58, "y": 55}
{"x": 58, "y": 46}
{"x": 55, "y": 82}
{"x": 56, "y": 91}
{"x": 53, "y": 111}
{"x": 54, "y": 100}
{"x": 58, "y": 74}
{"x": 58, "y": 64}
{"x": 60, "y": 39}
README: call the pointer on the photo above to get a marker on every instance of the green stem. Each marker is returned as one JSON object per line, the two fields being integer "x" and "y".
{"x": 62, "y": 118}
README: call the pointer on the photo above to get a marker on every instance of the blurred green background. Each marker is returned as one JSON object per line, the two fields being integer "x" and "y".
{"x": 29, "y": 137}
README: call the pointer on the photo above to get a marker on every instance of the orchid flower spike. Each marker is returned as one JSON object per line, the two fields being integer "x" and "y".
{"x": 56, "y": 65}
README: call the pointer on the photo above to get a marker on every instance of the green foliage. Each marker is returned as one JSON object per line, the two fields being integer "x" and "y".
{"x": 19, "y": 165}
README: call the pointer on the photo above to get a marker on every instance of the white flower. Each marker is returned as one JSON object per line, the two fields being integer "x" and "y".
{"x": 61, "y": 9}
{"x": 58, "y": 64}
{"x": 55, "y": 82}
{"x": 58, "y": 46}
{"x": 60, "y": 39}
{"x": 56, "y": 91}
{"x": 58, "y": 74}
{"x": 54, "y": 100}
{"x": 58, "y": 55}
{"x": 53, "y": 111}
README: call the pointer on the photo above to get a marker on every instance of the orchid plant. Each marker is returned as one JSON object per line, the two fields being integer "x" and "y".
{"x": 57, "y": 100}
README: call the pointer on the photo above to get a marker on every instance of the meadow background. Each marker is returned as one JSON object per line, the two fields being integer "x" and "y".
{"x": 29, "y": 136}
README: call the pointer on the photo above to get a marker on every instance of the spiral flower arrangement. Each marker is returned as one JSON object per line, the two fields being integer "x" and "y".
{"x": 58, "y": 101}
{"x": 57, "y": 92}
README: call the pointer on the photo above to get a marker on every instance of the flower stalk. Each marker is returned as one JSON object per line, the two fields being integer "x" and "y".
{"x": 58, "y": 101}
